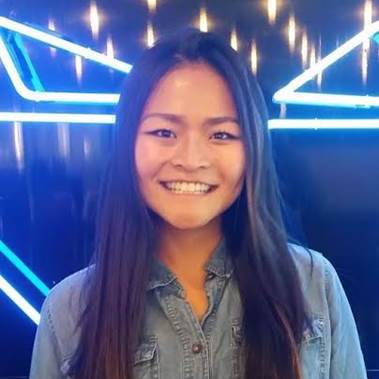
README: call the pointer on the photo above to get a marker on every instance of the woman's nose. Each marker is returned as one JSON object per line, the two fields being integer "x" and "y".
{"x": 191, "y": 153}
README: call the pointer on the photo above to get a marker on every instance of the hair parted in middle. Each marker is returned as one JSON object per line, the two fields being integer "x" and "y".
{"x": 273, "y": 307}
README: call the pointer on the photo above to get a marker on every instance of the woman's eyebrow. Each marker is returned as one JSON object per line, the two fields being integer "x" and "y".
{"x": 180, "y": 120}
{"x": 220, "y": 120}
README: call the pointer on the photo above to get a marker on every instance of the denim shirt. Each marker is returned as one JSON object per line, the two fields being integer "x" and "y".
{"x": 177, "y": 345}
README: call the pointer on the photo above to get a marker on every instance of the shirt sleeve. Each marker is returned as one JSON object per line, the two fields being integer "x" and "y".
{"x": 46, "y": 355}
{"x": 346, "y": 354}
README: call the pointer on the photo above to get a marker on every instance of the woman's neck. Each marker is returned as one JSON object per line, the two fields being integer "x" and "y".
{"x": 185, "y": 252}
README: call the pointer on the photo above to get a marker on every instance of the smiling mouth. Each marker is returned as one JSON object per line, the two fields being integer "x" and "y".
{"x": 188, "y": 188}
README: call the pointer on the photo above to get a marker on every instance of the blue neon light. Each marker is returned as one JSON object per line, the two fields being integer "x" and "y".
{"x": 34, "y": 79}
{"x": 290, "y": 95}
{"x": 287, "y": 94}
{"x": 60, "y": 43}
{"x": 98, "y": 119}
{"x": 23, "y": 268}
{"x": 63, "y": 44}
{"x": 71, "y": 118}
{"x": 323, "y": 124}
{"x": 19, "y": 300}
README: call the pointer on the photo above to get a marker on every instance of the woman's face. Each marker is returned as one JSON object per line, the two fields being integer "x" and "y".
{"x": 189, "y": 152}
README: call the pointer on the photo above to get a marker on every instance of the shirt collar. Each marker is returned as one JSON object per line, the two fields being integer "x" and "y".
{"x": 219, "y": 264}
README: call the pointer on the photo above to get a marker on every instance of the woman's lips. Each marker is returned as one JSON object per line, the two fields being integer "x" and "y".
{"x": 163, "y": 184}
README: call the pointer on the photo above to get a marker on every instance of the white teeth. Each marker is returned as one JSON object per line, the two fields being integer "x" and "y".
{"x": 187, "y": 187}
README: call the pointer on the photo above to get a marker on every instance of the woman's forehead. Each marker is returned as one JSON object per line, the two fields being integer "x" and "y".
{"x": 191, "y": 87}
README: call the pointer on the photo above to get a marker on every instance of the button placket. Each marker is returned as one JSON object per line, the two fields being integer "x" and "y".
{"x": 197, "y": 348}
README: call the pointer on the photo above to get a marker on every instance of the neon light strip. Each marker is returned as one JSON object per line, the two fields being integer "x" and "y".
{"x": 98, "y": 119}
{"x": 37, "y": 85}
{"x": 325, "y": 99}
{"x": 21, "y": 266}
{"x": 323, "y": 124}
{"x": 288, "y": 95}
{"x": 71, "y": 118}
{"x": 110, "y": 119}
{"x": 19, "y": 300}
{"x": 63, "y": 44}
{"x": 66, "y": 97}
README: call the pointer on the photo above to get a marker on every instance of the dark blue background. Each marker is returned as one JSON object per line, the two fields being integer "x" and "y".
{"x": 330, "y": 179}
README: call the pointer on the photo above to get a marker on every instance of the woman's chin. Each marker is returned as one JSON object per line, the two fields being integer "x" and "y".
{"x": 186, "y": 223}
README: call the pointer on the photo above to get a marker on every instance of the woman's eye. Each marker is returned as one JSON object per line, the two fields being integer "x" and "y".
{"x": 224, "y": 136}
{"x": 162, "y": 133}
{"x": 167, "y": 133}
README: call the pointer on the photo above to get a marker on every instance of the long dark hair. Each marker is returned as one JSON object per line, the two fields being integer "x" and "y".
{"x": 273, "y": 307}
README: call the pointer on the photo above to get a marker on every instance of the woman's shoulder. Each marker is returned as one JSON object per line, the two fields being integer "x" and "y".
{"x": 61, "y": 312}
{"x": 65, "y": 303}
{"x": 331, "y": 316}
{"x": 318, "y": 278}
{"x": 68, "y": 291}
{"x": 309, "y": 262}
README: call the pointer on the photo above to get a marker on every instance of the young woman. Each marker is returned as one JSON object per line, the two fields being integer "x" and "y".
{"x": 193, "y": 276}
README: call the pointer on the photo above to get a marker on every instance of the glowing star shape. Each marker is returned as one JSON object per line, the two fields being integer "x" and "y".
{"x": 290, "y": 95}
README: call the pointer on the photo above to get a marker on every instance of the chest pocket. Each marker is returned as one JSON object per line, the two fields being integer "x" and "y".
{"x": 312, "y": 350}
{"x": 146, "y": 362}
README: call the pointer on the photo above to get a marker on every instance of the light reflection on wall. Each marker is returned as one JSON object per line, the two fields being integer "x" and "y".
{"x": 254, "y": 57}
{"x": 367, "y": 20}
{"x": 78, "y": 68}
{"x": 319, "y": 57}
{"x": 312, "y": 55}
{"x": 94, "y": 19}
{"x": 292, "y": 29}
{"x": 150, "y": 35}
{"x": 272, "y": 9}
{"x": 87, "y": 148}
{"x": 368, "y": 13}
{"x": 203, "y": 20}
{"x": 234, "y": 39}
{"x": 110, "y": 47}
{"x": 304, "y": 49}
{"x": 152, "y": 5}
{"x": 18, "y": 145}
{"x": 51, "y": 26}
{"x": 63, "y": 136}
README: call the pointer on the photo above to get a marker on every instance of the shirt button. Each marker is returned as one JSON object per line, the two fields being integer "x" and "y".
{"x": 197, "y": 348}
